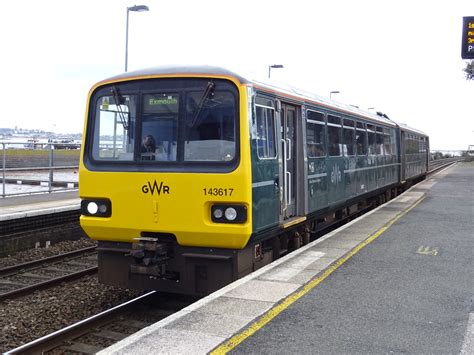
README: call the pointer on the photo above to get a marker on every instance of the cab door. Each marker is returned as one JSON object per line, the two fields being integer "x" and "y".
{"x": 287, "y": 157}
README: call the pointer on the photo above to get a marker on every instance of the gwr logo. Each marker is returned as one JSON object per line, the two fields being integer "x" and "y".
{"x": 336, "y": 176}
{"x": 149, "y": 188}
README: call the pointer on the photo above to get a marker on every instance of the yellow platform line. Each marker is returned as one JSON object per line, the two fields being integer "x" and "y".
{"x": 272, "y": 313}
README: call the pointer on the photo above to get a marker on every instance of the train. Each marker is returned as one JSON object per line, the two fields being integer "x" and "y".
{"x": 193, "y": 177}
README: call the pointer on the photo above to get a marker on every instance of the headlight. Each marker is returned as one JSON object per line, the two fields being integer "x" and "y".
{"x": 92, "y": 208}
{"x": 229, "y": 214}
{"x": 96, "y": 207}
{"x": 218, "y": 213}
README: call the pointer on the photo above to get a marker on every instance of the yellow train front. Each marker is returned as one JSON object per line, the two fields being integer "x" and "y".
{"x": 165, "y": 179}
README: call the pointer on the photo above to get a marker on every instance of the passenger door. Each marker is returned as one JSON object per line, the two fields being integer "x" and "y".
{"x": 288, "y": 151}
{"x": 266, "y": 175}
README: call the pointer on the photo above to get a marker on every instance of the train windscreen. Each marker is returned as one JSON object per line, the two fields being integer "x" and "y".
{"x": 164, "y": 122}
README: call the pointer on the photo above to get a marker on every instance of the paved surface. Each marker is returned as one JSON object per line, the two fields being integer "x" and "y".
{"x": 396, "y": 295}
{"x": 388, "y": 282}
{"x": 38, "y": 204}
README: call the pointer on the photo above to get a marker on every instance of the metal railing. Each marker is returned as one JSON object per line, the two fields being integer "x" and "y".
{"x": 30, "y": 167}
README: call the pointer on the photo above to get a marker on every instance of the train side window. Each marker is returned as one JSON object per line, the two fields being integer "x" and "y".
{"x": 393, "y": 140}
{"x": 361, "y": 139}
{"x": 348, "y": 139}
{"x": 315, "y": 134}
{"x": 379, "y": 141}
{"x": 334, "y": 136}
{"x": 371, "y": 139}
{"x": 387, "y": 142}
{"x": 266, "y": 133}
{"x": 422, "y": 145}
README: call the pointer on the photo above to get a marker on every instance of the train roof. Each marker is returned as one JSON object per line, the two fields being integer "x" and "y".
{"x": 271, "y": 86}
{"x": 174, "y": 70}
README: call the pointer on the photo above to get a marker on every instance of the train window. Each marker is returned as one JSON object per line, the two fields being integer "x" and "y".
{"x": 379, "y": 141}
{"x": 348, "y": 139}
{"x": 315, "y": 134}
{"x": 210, "y": 127}
{"x": 371, "y": 139}
{"x": 266, "y": 133}
{"x": 159, "y": 127}
{"x": 422, "y": 145}
{"x": 361, "y": 139}
{"x": 172, "y": 124}
{"x": 387, "y": 142}
{"x": 115, "y": 122}
{"x": 334, "y": 136}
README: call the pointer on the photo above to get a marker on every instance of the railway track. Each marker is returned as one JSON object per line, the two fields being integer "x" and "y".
{"x": 28, "y": 277}
{"x": 104, "y": 329}
{"x": 436, "y": 165}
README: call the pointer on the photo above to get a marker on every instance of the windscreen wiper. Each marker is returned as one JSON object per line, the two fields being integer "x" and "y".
{"x": 211, "y": 86}
{"x": 119, "y": 101}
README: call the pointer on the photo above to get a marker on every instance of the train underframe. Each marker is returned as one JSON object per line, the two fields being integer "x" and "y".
{"x": 157, "y": 262}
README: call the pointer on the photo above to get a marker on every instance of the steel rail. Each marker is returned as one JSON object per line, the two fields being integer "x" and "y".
{"x": 436, "y": 165}
{"x": 47, "y": 283}
{"x": 12, "y": 269}
{"x": 57, "y": 338}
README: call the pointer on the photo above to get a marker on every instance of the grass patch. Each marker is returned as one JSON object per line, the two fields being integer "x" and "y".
{"x": 41, "y": 153}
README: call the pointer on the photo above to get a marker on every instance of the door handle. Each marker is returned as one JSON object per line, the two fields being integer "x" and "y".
{"x": 288, "y": 140}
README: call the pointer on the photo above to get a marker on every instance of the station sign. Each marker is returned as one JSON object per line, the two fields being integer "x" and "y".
{"x": 467, "y": 49}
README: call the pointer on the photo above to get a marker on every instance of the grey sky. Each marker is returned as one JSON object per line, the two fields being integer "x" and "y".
{"x": 401, "y": 57}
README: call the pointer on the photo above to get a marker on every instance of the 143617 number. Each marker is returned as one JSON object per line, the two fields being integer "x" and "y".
{"x": 217, "y": 191}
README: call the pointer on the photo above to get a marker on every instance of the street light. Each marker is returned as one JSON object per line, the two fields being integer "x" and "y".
{"x": 275, "y": 66}
{"x": 136, "y": 8}
{"x": 333, "y": 92}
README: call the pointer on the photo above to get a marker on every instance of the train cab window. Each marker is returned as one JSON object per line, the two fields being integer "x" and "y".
{"x": 159, "y": 127}
{"x": 361, "y": 139}
{"x": 114, "y": 127}
{"x": 210, "y": 127}
{"x": 348, "y": 138}
{"x": 266, "y": 132}
{"x": 334, "y": 136}
{"x": 315, "y": 134}
{"x": 379, "y": 141}
{"x": 172, "y": 124}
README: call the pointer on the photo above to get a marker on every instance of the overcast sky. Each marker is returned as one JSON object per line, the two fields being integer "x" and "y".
{"x": 400, "y": 57}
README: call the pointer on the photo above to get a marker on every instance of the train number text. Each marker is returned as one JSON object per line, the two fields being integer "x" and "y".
{"x": 217, "y": 191}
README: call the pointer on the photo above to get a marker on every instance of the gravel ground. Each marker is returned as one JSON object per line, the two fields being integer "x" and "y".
{"x": 34, "y": 254}
{"x": 30, "y": 317}
{"x": 27, "y": 318}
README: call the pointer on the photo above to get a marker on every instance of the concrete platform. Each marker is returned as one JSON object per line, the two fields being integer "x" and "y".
{"x": 399, "y": 279}
{"x": 38, "y": 204}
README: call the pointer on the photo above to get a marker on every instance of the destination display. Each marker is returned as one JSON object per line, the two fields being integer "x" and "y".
{"x": 161, "y": 103}
{"x": 467, "y": 49}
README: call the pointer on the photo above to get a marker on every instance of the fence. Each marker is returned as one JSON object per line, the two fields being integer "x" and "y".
{"x": 32, "y": 167}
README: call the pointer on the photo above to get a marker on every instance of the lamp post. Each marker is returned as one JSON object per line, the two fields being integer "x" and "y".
{"x": 333, "y": 92}
{"x": 275, "y": 66}
{"x": 136, "y": 8}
